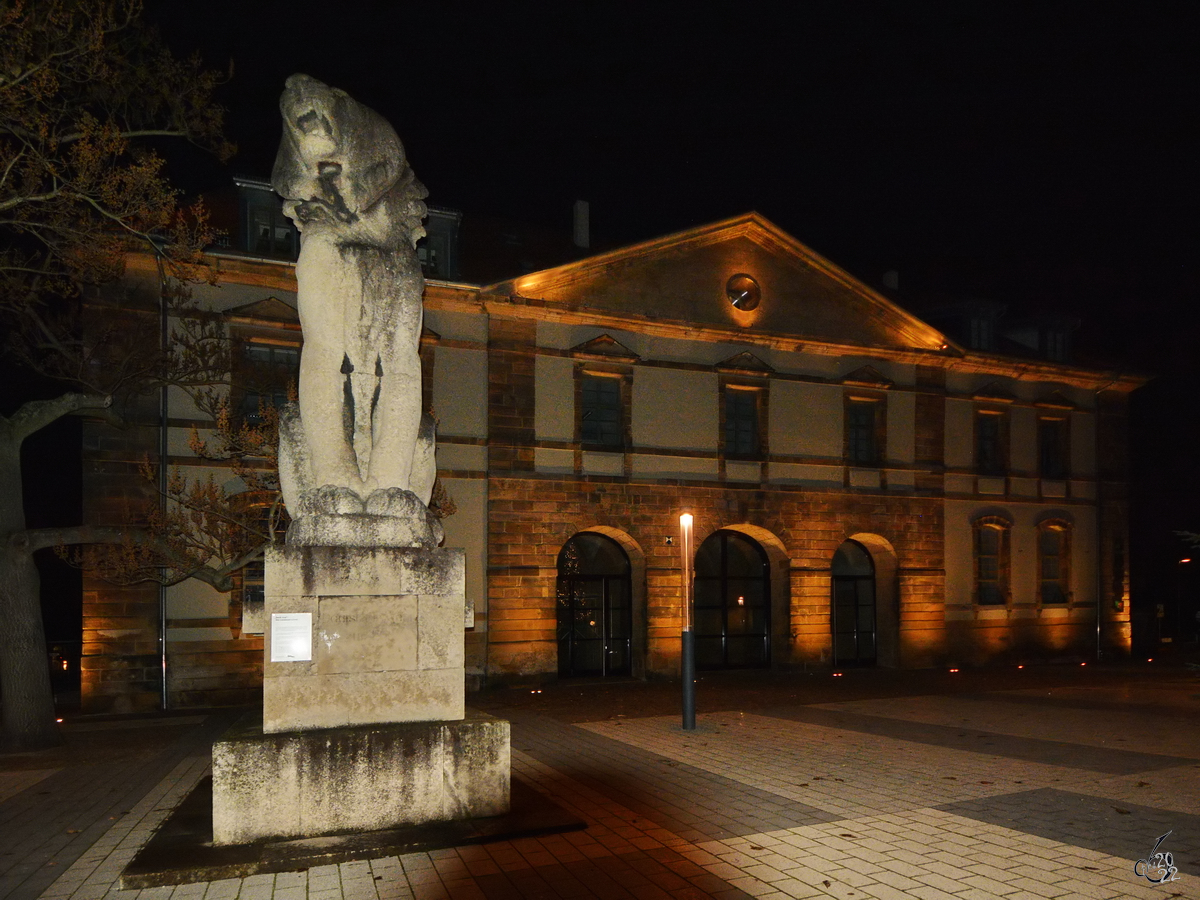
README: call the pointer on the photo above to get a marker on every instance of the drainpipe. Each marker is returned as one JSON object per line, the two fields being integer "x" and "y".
{"x": 163, "y": 410}
{"x": 1099, "y": 530}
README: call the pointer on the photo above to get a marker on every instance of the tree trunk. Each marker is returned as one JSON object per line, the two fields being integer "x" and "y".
{"x": 25, "y": 692}
{"x": 26, "y": 698}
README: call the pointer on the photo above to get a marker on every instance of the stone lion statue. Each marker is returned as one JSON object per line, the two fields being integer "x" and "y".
{"x": 358, "y": 448}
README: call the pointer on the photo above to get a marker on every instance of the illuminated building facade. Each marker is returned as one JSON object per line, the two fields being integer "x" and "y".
{"x": 866, "y": 490}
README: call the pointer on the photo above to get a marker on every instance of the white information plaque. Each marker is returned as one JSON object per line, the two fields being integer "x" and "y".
{"x": 291, "y": 637}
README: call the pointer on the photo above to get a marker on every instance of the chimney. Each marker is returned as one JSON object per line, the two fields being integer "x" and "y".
{"x": 581, "y": 230}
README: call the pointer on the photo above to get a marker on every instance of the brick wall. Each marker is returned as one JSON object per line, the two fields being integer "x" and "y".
{"x": 531, "y": 518}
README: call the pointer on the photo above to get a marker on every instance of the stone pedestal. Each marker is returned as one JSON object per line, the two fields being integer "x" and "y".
{"x": 320, "y": 782}
{"x": 363, "y": 722}
{"x": 387, "y": 636}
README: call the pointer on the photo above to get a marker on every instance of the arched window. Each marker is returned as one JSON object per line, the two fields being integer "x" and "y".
{"x": 853, "y": 612}
{"x": 991, "y": 560}
{"x": 1054, "y": 562}
{"x": 732, "y": 624}
{"x": 593, "y": 597}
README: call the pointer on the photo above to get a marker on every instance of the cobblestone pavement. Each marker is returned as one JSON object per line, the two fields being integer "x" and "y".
{"x": 1044, "y": 784}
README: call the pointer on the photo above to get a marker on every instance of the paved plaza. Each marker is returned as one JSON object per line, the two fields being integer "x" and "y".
{"x": 1044, "y": 782}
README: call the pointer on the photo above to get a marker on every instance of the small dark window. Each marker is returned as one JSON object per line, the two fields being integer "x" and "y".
{"x": 1054, "y": 563}
{"x": 1052, "y": 448}
{"x": 862, "y": 438}
{"x": 434, "y": 256}
{"x": 1056, "y": 344}
{"x": 991, "y": 565}
{"x": 983, "y": 331}
{"x": 284, "y": 358}
{"x": 268, "y": 231}
{"x": 989, "y": 449}
{"x": 602, "y": 411}
{"x": 741, "y": 423}
{"x": 265, "y": 377}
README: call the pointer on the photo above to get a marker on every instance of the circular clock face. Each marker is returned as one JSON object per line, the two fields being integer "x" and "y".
{"x": 743, "y": 292}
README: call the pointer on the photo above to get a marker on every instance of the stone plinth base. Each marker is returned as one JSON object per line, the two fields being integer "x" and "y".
{"x": 386, "y": 642}
{"x": 310, "y": 783}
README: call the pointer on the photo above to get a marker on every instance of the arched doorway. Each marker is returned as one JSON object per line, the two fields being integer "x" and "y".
{"x": 852, "y": 613}
{"x": 732, "y": 624}
{"x": 595, "y": 622}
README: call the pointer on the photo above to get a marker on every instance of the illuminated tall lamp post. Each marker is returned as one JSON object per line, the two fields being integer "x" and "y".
{"x": 687, "y": 637}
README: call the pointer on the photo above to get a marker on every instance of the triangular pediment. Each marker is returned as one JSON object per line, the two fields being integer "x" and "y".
{"x": 745, "y": 363}
{"x": 867, "y": 376}
{"x": 741, "y": 277}
{"x": 272, "y": 310}
{"x": 604, "y": 346}
{"x": 996, "y": 392}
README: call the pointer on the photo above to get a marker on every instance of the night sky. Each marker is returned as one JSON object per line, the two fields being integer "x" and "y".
{"x": 1037, "y": 154}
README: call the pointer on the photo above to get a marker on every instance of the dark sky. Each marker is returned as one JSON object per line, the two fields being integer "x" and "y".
{"x": 1041, "y": 154}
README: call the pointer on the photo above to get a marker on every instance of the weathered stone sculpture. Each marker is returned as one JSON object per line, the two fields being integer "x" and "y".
{"x": 364, "y": 724}
{"x": 357, "y": 459}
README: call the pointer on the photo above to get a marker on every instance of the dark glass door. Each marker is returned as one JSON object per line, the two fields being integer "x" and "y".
{"x": 595, "y": 612}
{"x": 852, "y": 611}
{"x": 732, "y": 622}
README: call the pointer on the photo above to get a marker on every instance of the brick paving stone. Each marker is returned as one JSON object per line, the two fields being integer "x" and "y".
{"x": 869, "y": 797}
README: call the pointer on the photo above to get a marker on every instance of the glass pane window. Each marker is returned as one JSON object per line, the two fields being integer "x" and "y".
{"x": 269, "y": 232}
{"x": 275, "y": 356}
{"x": 991, "y": 588}
{"x": 732, "y": 603}
{"x": 860, "y": 433}
{"x": 853, "y": 607}
{"x": 741, "y": 423}
{"x": 263, "y": 379}
{"x": 602, "y": 412}
{"x": 989, "y": 457}
{"x": 1053, "y": 564}
{"x": 1052, "y": 448}
{"x": 594, "y": 608}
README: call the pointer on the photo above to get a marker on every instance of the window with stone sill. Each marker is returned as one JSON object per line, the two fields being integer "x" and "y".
{"x": 264, "y": 376}
{"x": 991, "y": 539}
{"x": 991, "y": 438}
{"x": 1054, "y": 562}
{"x": 742, "y": 423}
{"x": 864, "y": 439}
{"x": 1053, "y": 448}
{"x": 602, "y": 411}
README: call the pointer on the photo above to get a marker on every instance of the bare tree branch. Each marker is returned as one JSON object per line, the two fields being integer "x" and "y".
{"x": 35, "y": 415}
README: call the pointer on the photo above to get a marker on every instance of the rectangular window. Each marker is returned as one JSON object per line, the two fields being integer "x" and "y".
{"x": 989, "y": 444}
{"x": 991, "y": 581}
{"x": 1052, "y": 448}
{"x": 266, "y": 374}
{"x": 741, "y": 423}
{"x": 269, "y": 232}
{"x": 603, "y": 420}
{"x": 862, "y": 432}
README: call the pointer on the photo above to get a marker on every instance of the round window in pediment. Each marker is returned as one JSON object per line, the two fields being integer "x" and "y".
{"x": 743, "y": 292}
